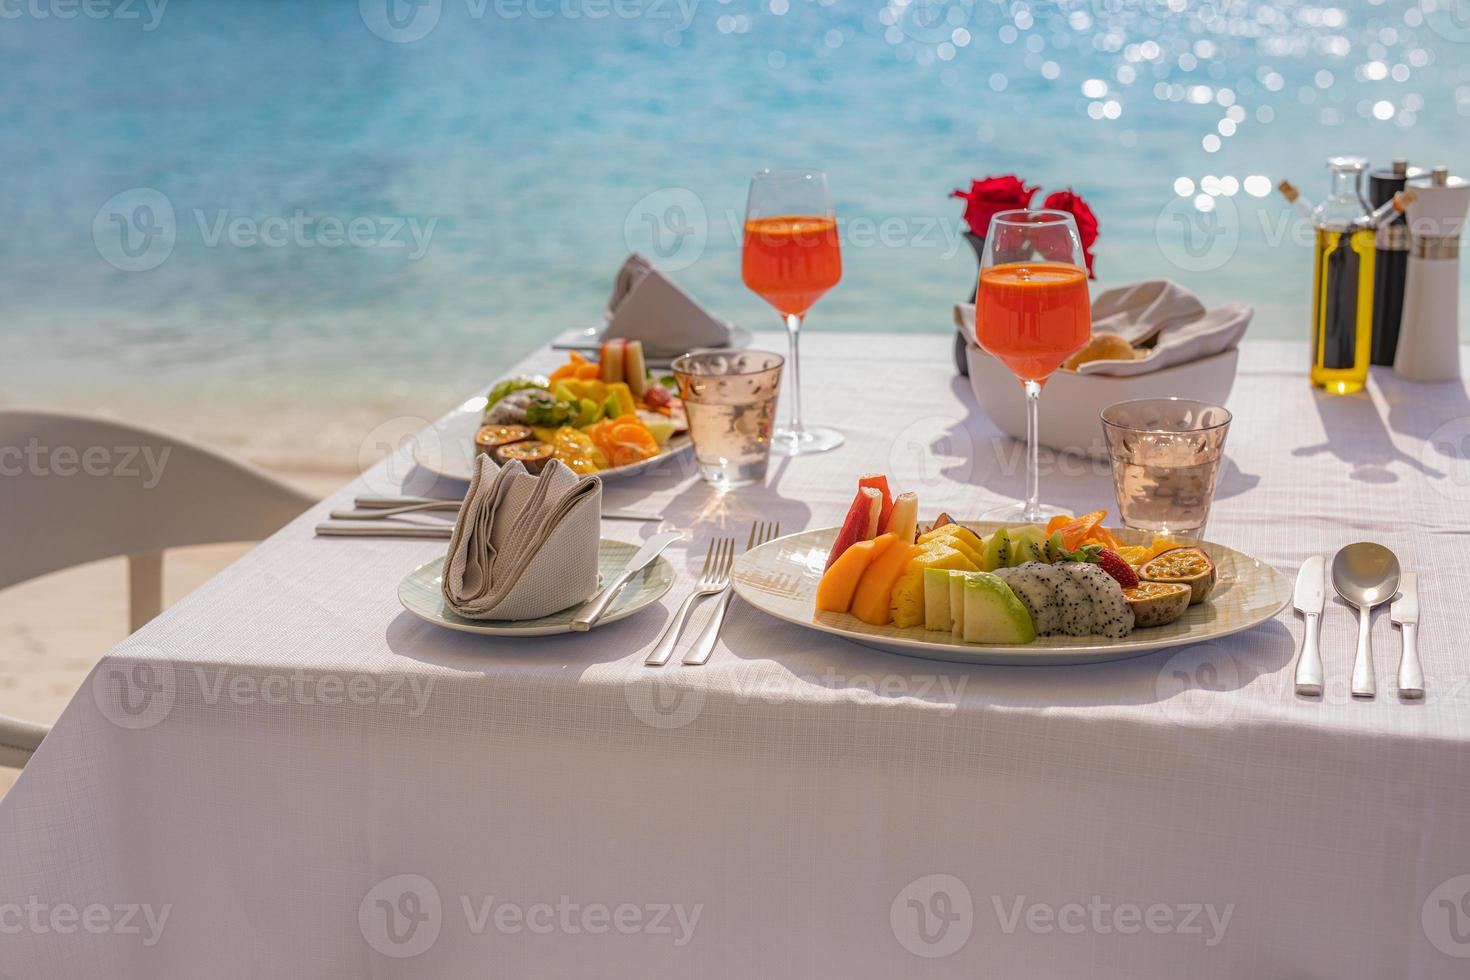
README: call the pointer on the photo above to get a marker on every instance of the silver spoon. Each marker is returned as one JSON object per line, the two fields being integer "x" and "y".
{"x": 1366, "y": 575}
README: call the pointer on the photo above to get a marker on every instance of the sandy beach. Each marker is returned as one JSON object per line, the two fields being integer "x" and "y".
{"x": 49, "y": 641}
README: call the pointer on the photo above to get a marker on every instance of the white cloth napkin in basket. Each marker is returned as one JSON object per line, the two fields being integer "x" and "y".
{"x": 523, "y": 546}
{"x": 1160, "y": 316}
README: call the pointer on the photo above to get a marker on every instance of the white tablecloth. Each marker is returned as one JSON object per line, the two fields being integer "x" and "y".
{"x": 308, "y": 782}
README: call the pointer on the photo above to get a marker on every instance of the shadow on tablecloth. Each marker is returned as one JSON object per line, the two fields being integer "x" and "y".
{"x": 819, "y": 661}
{"x": 1357, "y": 436}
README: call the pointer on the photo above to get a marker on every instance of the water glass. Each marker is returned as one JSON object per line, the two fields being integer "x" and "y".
{"x": 730, "y": 398}
{"x": 1166, "y": 458}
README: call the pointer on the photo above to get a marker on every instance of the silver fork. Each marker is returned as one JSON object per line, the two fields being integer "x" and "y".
{"x": 699, "y": 653}
{"x": 713, "y": 578}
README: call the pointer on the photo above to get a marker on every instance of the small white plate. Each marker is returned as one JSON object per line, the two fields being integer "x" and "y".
{"x": 447, "y": 448}
{"x": 420, "y": 594}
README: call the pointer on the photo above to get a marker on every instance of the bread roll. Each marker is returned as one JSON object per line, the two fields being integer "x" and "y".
{"x": 1102, "y": 347}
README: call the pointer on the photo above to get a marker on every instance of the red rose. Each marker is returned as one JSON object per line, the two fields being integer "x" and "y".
{"x": 1082, "y": 214}
{"x": 987, "y": 197}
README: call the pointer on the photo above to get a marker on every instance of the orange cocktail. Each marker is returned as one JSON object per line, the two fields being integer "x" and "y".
{"x": 1032, "y": 316}
{"x": 791, "y": 260}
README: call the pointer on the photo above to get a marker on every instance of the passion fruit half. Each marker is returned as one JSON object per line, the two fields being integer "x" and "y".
{"x": 532, "y": 454}
{"x": 489, "y": 437}
{"x": 1182, "y": 566}
{"x": 1157, "y": 603}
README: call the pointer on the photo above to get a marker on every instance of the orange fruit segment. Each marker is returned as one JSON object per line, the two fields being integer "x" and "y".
{"x": 1076, "y": 531}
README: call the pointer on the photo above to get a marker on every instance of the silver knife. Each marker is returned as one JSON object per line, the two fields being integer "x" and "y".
{"x": 426, "y": 503}
{"x": 1405, "y": 612}
{"x": 1309, "y": 598}
{"x": 589, "y": 614}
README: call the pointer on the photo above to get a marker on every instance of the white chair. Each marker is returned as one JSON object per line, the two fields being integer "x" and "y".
{"x": 76, "y": 489}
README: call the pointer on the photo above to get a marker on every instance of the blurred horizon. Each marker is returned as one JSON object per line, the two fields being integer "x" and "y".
{"x": 273, "y": 225}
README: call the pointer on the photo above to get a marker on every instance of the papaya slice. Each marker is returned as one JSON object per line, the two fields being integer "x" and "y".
{"x": 870, "y": 602}
{"x": 840, "y": 580}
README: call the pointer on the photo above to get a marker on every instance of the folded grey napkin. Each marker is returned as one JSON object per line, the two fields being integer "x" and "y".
{"x": 646, "y": 305}
{"x": 1165, "y": 320}
{"x": 523, "y": 546}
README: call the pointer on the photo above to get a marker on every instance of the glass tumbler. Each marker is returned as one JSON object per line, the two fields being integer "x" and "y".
{"x": 730, "y": 399}
{"x": 1166, "y": 456}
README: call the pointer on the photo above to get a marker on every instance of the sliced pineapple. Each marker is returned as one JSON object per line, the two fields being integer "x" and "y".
{"x": 958, "y": 537}
{"x": 907, "y": 603}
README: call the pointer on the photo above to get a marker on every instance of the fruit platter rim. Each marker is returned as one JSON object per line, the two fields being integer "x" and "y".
{"x": 780, "y": 577}
{"x": 448, "y": 455}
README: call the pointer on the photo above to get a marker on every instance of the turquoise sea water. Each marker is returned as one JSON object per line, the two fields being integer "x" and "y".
{"x": 277, "y": 224}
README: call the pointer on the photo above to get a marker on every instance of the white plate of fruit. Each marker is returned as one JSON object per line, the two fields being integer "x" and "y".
{"x": 611, "y": 416}
{"x": 1070, "y": 592}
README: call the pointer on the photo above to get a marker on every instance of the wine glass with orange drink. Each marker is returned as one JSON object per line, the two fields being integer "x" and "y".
{"x": 1032, "y": 312}
{"x": 789, "y": 257}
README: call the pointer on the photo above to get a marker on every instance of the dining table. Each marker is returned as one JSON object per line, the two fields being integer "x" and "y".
{"x": 288, "y": 775}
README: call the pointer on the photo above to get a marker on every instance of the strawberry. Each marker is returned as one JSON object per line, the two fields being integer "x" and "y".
{"x": 1114, "y": 565}
{"x": 656, "y": 396}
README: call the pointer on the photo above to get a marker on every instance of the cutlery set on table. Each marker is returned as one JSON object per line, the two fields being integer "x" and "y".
{"x": 714, "y": 579}
{"x": 421, "y": 591}
{"x": 1366, "y": 575}
{"x": 374, "y": 509}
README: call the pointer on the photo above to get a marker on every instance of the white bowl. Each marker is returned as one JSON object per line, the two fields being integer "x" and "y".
{"x": 1071, "y": 403}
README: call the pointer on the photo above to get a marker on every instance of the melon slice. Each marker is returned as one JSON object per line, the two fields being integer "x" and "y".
{"x": 957, "y": 604}
{"x": 875, "y": 590}
{"x": 859, "y": 524}
{"x": 610, "y": 361}
{"x": 993, "y": 614}
{"x": 936, "y": 599}
{"x": 904, "y": 518}
{"x": 840, "y": 580}
{"x": 879, "y": 482}
{"x": 635, "y": 371}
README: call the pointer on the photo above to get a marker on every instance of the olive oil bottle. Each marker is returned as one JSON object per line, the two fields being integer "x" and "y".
{"x": 1342, "y": 309}
{"x": 1343, "y": 275}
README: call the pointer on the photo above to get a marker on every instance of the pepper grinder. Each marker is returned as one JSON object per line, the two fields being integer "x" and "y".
{"x": 1391, "y": 266}
{"x": 1429, "y": 337}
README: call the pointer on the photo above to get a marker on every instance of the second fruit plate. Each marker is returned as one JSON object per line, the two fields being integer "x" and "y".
{"x": 780, "y": 579}
{"x": 446, "y": 448}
